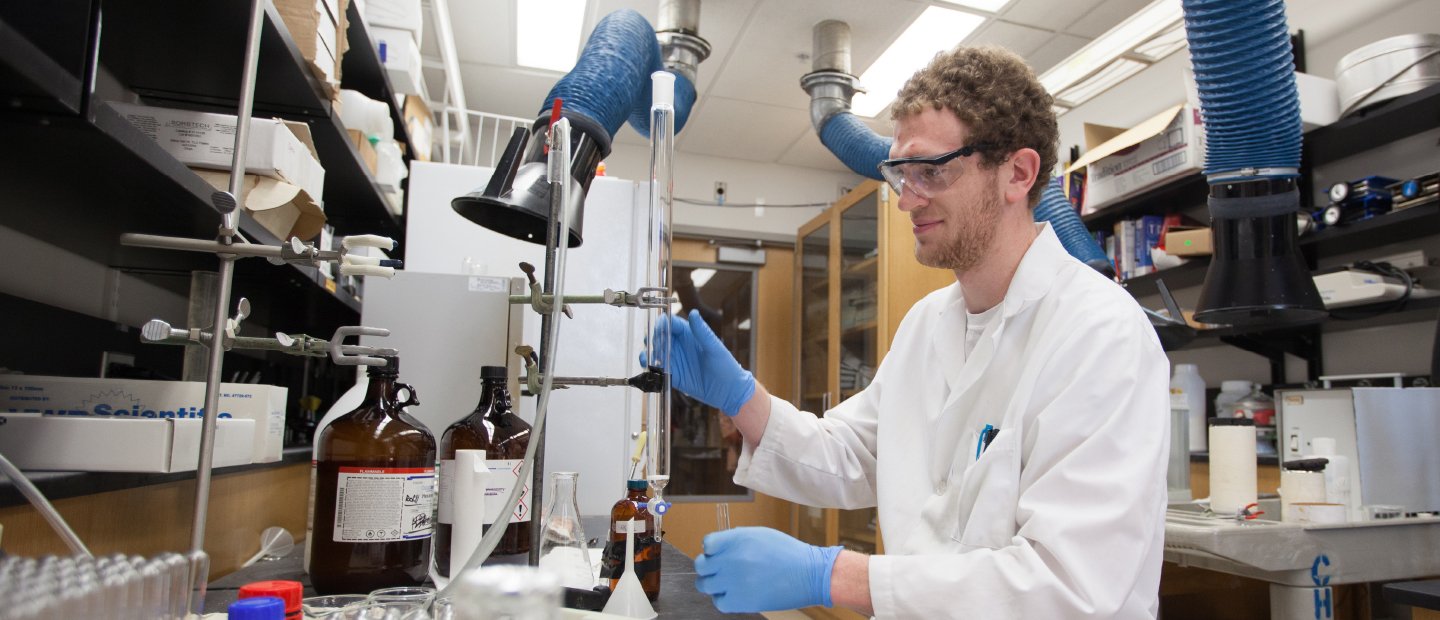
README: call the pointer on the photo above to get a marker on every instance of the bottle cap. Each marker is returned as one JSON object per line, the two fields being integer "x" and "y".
{"x": 390, "y": 369}
{"x": 1231, "y": 422}
{"x": 1186, "y": 369}
{"x": 1317, "y": 464}
{"x": 1235, "y": 385}
{"x": 259, "y": 608}
{"x": 494, "y": 372}
{"x": 1323, "y": 446}
{"x": 636, "y": 485}
{"x": 291, "y": 592}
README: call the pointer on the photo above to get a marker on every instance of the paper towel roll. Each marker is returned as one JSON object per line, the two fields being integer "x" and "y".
{"x": 1300, "y": 487}
{"x": 1232, "y": 465}
{"x": 468, "y": 507}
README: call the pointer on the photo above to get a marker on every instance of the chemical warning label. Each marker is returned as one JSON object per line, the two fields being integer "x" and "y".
{"x": 384, "y": 504}
{"x": 504, "y": 473}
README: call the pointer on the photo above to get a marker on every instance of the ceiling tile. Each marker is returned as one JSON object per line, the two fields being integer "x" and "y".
{"x": 1022, "y": 40}
{"x": 1056, "y": 50}
{"x": 484, "y": 31}
{"x": 1104, "y": 17}
{"x": 776, "y": 46}
{"x": 1048, "y": 14}
{"x": 505, "y": 90}
{"x": 743, "y": 130}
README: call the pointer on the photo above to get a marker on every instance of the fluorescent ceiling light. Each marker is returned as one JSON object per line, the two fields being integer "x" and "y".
{"x": 1163, "y": 44}
{"x": 547, "y": 33}
{"x": 936, "y": 30}
{"x": 1112, "y": 74}
{"x": 1161, "y": 16}
{"x": 992, "y": 6}
{"x": 701, "y": 276}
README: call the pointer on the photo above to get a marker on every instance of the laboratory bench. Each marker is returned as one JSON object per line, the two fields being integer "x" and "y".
{"x": 1423, "y": 597}
{"x": 678, "y": 597}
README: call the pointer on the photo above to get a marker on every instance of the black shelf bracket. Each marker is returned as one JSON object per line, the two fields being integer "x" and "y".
{"x": 1303, "y": 343}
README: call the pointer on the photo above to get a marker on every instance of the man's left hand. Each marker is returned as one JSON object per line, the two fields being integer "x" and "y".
{"x": 753, "y": 569}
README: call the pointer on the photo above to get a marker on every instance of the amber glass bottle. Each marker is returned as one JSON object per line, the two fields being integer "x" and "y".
{"x": 647, "y": 549}
{"x": 494, "y": 428}
{"x": 373, "y": 507}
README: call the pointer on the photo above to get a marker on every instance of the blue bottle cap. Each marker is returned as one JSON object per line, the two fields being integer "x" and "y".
{"x": 258, "y": 608}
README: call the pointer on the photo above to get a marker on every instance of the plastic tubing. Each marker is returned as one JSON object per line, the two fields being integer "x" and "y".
{"x": 558, "y": 167}
{"x": 44, "y": 507}
{"x": 657, "y": 277}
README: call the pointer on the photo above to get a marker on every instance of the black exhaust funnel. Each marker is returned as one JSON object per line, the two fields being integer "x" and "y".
{"x": 516, "y": 202}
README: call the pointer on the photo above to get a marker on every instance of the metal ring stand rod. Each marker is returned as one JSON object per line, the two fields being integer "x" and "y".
{"x": 199, "y": 562}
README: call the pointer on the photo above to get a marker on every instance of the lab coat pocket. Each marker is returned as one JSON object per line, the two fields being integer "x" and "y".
{"x": 988, "y": 494}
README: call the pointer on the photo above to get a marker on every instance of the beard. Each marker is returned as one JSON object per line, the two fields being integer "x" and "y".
{"x": 969, "y": 243}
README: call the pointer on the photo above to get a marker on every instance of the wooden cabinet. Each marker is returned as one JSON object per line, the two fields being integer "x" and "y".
{"x": 855, "y": 277}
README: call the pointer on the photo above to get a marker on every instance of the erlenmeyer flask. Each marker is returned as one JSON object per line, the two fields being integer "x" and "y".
{"x": 562, "y": 548}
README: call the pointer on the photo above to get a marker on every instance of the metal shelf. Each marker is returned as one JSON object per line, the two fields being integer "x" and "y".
{"x": 83, "y": 183}
{"x": 1392, "y": 120}
{"x": 1412, "y": 223}
{"x": 360, "y": 70}
{"x": 1186, "y": 191}
{"x": 30, "y": 79}
{"x": 185, "y": 61}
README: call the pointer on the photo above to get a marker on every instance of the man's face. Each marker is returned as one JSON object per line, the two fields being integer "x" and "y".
{"x": 954, "y": 228}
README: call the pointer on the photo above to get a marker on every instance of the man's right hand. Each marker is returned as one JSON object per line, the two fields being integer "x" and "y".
{"x": 702, "y": 367}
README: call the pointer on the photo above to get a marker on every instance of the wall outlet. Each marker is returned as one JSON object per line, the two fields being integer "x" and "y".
{"x": 720, "y": 192}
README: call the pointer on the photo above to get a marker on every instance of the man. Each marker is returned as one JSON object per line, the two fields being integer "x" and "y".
{"x": 1014, "y": 438}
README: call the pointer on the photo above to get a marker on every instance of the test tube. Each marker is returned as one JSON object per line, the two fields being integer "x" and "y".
{"x": 658, "y": 242}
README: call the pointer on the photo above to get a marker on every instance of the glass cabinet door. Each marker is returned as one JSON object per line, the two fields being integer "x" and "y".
{"x": 813, "y": 367}
{"x": 859, "y": 329}
{"x": 814, "y": 320}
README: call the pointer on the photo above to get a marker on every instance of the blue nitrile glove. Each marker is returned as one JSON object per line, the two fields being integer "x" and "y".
{"x": 754, "y": 569}
{"x": 702, "y": 367}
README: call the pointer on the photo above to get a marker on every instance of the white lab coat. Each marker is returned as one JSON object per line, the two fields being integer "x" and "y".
{"x": 1062, "y": 516}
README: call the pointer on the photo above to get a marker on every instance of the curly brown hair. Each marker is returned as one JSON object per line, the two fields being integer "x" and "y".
{"x": 996, "y": 95}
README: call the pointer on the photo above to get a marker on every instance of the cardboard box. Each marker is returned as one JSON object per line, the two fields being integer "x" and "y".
{"x": 364, "y": 148}
{"x": 132, "y": 399}
{"x": 1188, "y": 242}
{"x": 420, "y": 125}
{"x": 41, "y": 442}
{"x": 1169, "y": 145}
{"x": 318, "y": 29}
{"x": 278, "y": 149}
{"x": 404, "y": 15}
{"x": 401, "y": 58}
{"x": 283, "y": 209}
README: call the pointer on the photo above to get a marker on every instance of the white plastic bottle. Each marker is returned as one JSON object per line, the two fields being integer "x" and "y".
{"x": 1337, "y": 476}
{"x": 1187, "y": 391}
{"x": 1230, "y": 392}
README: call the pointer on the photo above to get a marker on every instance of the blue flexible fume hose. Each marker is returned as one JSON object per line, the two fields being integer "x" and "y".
{"x": 859, "y": 148}
{"x": 1055, "y": 208}
{"x": 1245, "y": 72}
{"x": 611, "y": 80}
{"x": 862, "y": 150}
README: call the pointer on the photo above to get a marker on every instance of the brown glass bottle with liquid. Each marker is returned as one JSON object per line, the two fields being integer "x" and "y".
{"x": 373, "y": 500}
{"x": 494, "y": 428}
{"x": 647, "y": 549}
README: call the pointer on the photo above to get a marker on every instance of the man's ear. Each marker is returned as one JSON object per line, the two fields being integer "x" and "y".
{"x": 1018, "y": 174}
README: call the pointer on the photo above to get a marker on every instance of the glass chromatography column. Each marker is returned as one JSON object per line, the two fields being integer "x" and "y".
{"x": 657, "y": 404}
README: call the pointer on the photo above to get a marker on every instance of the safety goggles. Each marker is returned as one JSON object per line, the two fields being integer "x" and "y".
{"x": 927, "y": 176}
